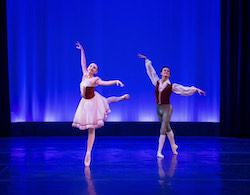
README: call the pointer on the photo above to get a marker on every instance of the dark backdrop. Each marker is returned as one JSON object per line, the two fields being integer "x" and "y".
{"x": 4, "y": 84}
{"x": 235, "y": 68}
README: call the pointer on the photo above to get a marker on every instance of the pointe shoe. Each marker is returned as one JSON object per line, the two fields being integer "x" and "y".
{"x": 174, "y": 148}
{"x": 125, "y": 97}
{"x": 87, "y": 159}
{"x": 159, "y": 155}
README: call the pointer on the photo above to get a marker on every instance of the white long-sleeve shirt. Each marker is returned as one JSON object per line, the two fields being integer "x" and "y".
{"x": 176, "y": 88}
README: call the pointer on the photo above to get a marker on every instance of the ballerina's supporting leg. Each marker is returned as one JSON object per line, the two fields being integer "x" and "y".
{"x": 91, "y": 139}
{"x": 117, "y": 99}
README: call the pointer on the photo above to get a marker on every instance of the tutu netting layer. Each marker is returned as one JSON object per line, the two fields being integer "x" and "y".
{"x": 91, "y": 113}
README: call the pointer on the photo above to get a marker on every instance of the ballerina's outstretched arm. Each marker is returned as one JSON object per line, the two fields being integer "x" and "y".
{"x": 83, "y": 58}
{"x": 108, "y": 83}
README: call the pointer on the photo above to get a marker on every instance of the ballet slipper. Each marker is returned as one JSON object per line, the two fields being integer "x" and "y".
{"x": 174, "y": 148}
{"x": 159, "y": 155}
{"x": 160, "y": 146}
{"x": 87, "y": 159}
{"x": 125, "y": 97}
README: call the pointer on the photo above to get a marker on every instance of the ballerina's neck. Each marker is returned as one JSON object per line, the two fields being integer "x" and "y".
{"x": 89, "y": 76}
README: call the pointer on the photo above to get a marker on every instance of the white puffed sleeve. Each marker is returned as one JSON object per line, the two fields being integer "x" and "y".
{"x": 181, "y": 90}
{"x": 96, "y": 81}
{"x": 151, "y": 72}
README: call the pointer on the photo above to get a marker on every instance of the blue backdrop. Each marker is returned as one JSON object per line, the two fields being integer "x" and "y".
{"x": 45, "y": 71}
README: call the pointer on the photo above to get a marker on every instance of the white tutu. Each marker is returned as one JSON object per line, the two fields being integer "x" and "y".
{"x": 91, "y": 113}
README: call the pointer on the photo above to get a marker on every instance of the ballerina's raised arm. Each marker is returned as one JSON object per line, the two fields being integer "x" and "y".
{"x": 83, "y": 58}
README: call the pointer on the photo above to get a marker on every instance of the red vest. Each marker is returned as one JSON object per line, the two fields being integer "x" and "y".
{"x": 89, "y": 92}
{"x": 164, "y": 96}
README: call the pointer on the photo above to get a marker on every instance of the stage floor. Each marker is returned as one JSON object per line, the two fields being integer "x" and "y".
{"x": 124, "y": 165}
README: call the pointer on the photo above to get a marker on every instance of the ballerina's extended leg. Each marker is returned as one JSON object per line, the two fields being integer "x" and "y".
{"x": 91, "y": 139}
{"x": 117, "y": 99}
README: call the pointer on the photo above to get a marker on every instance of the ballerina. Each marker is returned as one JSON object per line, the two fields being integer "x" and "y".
{"x": 163, "y": 90}
{"x": 93, "y": 107}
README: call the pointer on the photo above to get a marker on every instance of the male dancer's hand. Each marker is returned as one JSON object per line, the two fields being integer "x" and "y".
{"x": 201, "y": 92}
{"x": 142, "y": 56}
